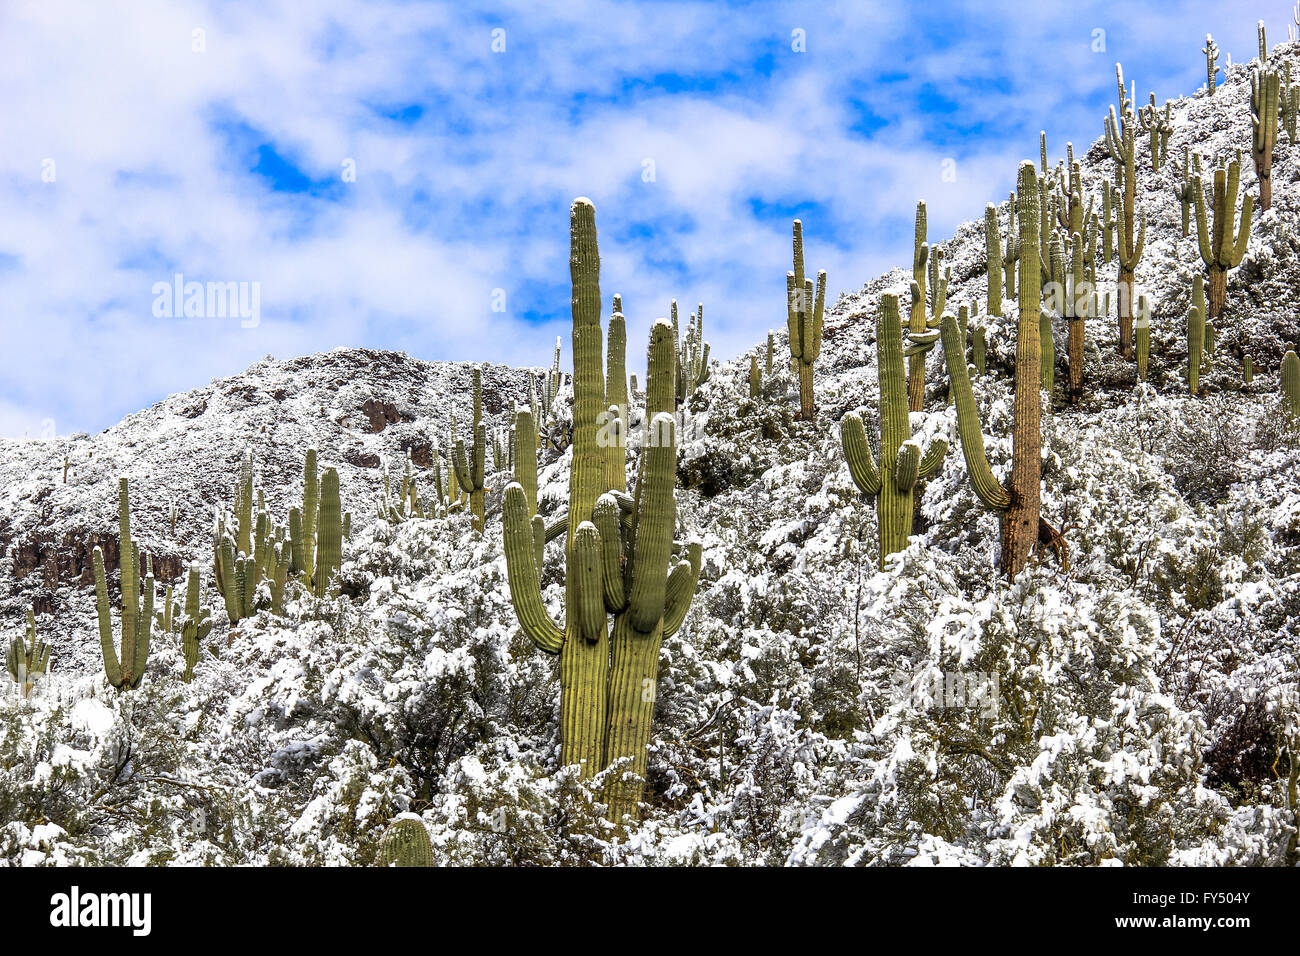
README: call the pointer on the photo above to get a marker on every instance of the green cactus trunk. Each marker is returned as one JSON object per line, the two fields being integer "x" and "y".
{"x": 1290, "y": 376}
{"x": 329, "y": 553}
{"x": 125, "y": 671}
{"x": 804, "y": 313}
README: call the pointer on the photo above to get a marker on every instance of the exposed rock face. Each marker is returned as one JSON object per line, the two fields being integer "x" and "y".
{"x": 381, "y": 414}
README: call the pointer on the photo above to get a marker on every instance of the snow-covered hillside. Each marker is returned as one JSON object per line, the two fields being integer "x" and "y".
{"x": 1148, "y": 707}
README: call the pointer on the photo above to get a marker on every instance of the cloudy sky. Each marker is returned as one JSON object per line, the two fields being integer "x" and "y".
{"x": 398, "y": 174}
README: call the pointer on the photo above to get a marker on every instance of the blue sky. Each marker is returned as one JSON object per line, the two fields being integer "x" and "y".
{"x": 146, "y": 139}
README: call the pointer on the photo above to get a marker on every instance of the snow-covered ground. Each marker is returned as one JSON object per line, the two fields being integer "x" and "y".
{"x": 1145, "y": 707}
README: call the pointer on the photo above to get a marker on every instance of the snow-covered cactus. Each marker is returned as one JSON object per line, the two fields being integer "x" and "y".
{"x": 755, "y": 378}
{"x": 525, "y": 455}
{"x": 993, "y": 258}
{"x": 902, "y": 464}
{"x": 693, "y": 358}
{"x": 1223, "y": 248}
{"x": 1131, "y": 238}
{"x": 1211, "y": 51}
{"x": 1011, "y": 252}
{"x": 125, "y": 671}
{"x": 1019, "y": 502}
{"x": 620, "y": 556}
{"x": 804, "y": 319}
{"x": 1185, "y": 190}
{"x": 771, "y": 348}
{"x": 1290, "y": 376}
{"x": 27, "y": 662}
{"x": 195, "y": 625}
{"x": 1196, "y": 334}
{"x": 406, "y": 843}
{"x": 616, "y": 399}
{"x": 1159, "y": 127}
{"x": 1143, "y": 337}
{"x": 329, "y": 547}
{"x": 1265, "y": 94}
{"x": 979, "y": 349}
{"x": 470, "y": 472}
{"x": 1288, "y": 99}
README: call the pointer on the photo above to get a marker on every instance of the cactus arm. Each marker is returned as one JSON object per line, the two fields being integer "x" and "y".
{"x": 607, "y": 517}
{"x": 908, "y": 465}
{"x": 522, "y": 573}
{"x": 857, "y": 452}
{"x": 1243, "y": 232}
{"x": 112, "y": 667}
{"x": 656, "y": 519}
{"x": 933, "y": 460}
{"x": 986, "y": 486}
{"x": 1202, "y": 227}
{"x": 680, "y": 590}
{"x": 144, "y": 627}
{"x": 588, "y": 573}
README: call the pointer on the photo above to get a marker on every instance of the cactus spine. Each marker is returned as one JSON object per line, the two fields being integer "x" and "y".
{"x": 470, "y": 471}
{"x": 125, "y": 672}
{"x": 1019, "y": 502}
{"x": 29, "y": 662}
{"x": 804, "y": 318}
{"x": 1219, "y": 249}
{"x": 902, "y": 465}
{"x": 406, "y": 843}
{"x": 1121, "y": 144}
{"x": 618, "y": 553}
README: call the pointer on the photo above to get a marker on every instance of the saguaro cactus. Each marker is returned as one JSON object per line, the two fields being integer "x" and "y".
{"x": 804, "y": 319}
{"x": 329, "y": 547}
{"x": 470, "y": 471}
{"x": 27, "y": 663}
{"x": 1019, "y": 501}
{"x": 901, "y": 463}
{"x": 993, "y": 255}
{"x": 125, "y": 672}
{"x": 1211, "y": 51}
{"x": 196, "y": 625}
{"x": 406, "y": 843}
{"x": 1265, "y": 92}
{"x": 1220, "y": 250}
{"x": 918, "y": 321}
{"x": 1159, "y": 127}
{"x": 755, "y": 378}
{"x": 618, "y": 552}
{"x": 1121, "y": 143}
{"x": 1291, "y": 386}
{"x": 1196, "y": 334}
{"x": 1185, "y": 191}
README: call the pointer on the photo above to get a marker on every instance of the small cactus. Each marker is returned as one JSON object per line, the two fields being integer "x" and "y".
{"x": 470, "y": 469}
{"x": 406, "y": 843}
{"x": 755, "y": 378}
{"x": 28, "y": 663}
{"x": 1291, "y": 386}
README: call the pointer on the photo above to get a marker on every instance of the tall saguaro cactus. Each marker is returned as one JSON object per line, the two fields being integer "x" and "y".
{"x": 918, "y": 322}
{"x": 804, "y": 318}
{"x": 1121, "y": 144}
{"x": 1265, "y": 93}
{"x": 616, "y": 400}
{"x": 470, "y": 472}
{"x": 1196, "y": 334}
{"x": 1019, "y": 501}
{"x": 1220, "y": 250}
{"x": 901, "y": 463}
{"x": 620, "y": 556}
{"x": 1211, "y": 51}
{"x": 329, "y": 546}
{"x": 196, "y": 624}
{"x": 125, "y": 671}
